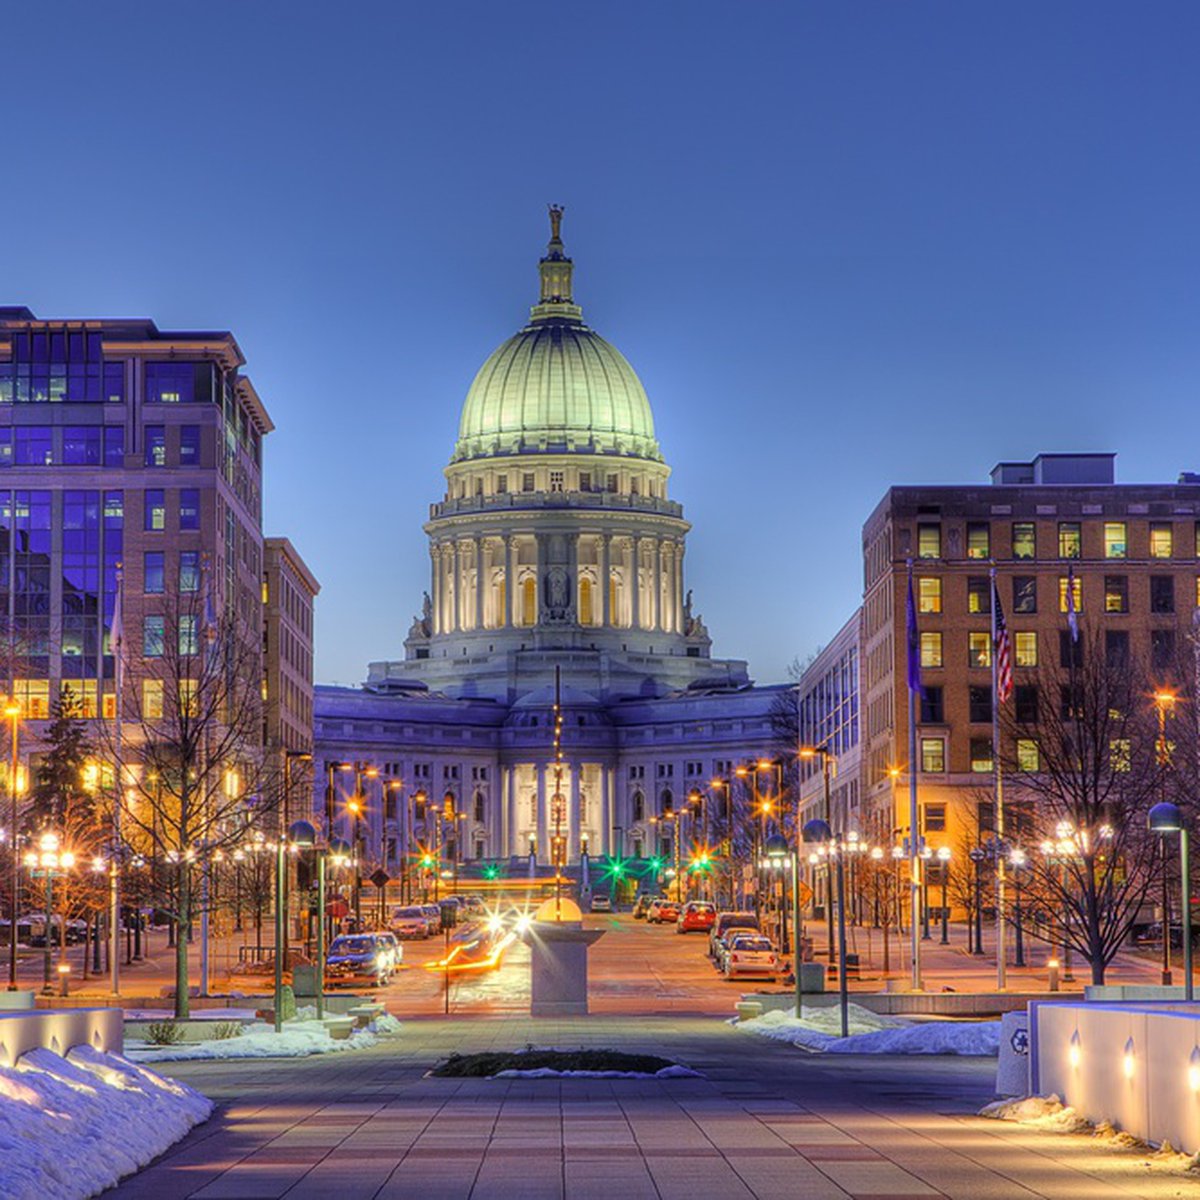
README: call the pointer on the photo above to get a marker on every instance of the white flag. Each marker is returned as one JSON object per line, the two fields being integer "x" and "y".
{"x": 116, "y": 632}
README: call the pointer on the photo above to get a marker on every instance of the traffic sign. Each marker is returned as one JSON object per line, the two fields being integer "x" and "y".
{"x": 380, "y": 878}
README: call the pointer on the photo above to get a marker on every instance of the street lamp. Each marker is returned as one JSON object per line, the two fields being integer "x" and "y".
{"x": 977, "y": 854}
{"x": 926, "y": 853}
{"x": 12, "y": 710}
{"x": 778, "y": 851}
{"x": 943, "y": 855}
{"x": 1017, "y": 860}
{"x": 50, "y": 862}
{"x": 1164, "y": 704}
{"x": 1167, "y": 818}
{"x": 823, "y": 752}
{"x": 819, "y": 832}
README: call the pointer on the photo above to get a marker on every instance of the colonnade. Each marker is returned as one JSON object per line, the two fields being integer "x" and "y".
{"x": 527, "y": 819}
{"x": 618, "y": 581}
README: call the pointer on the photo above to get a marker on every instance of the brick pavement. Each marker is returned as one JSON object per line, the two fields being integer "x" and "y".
{"x": 766, "y": 1121}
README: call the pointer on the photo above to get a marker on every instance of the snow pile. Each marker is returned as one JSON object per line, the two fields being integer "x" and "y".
{"x": 298, "y": 1039}
{"x": 872, "y": 1033}
{"x": 673, "y": 1072}
{"x": 203, "y": 1014}
{"x": 1041, "y": 1112}
{"x": 72, "y": 1127}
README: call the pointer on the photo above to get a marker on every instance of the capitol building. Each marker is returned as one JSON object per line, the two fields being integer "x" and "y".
{"x": 557, "y": 559}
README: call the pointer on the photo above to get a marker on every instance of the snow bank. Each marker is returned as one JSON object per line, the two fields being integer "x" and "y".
{"x": 672, "y": 1072}
{"x": 297, "y": 1040}
{"x": 72, "y": 1127}
{"x": 1042, "y": 1112}
{"x": 872, "y": 1033}
{"x": 203, "y": 1014}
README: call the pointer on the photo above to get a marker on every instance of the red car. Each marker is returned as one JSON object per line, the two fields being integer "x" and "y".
{"x": 697, "y": 915}
{"x": 662, "y": 911}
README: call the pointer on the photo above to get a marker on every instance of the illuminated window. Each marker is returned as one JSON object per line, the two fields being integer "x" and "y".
{"x": 1028, "y": 758}
{"x": 1024, "y": 539}
{"x": 979, "y": 594}
{"x": 529, "y": 601}
{"x": 929, "y": 541}
{"x": 1116, "y": 593}
{"x": 189, "y": 697}
{"x": 933, "y": 755}
{"x": 155, "y": 510}
{"x": 585, "y": 601}
{"x": 979, "y": 539}
{"x": 931, "y": 649}
{"x": 1114, "y": 539}
{"x": 981, "y": 756}
{"x": 979, "y": 649}
{"x": 1025, "y": 649}
{"x": 1070, "y": 540}
{"x": 929, "y": 594}
{"x": 1160, "y": 539}
{"x": 1120, "y": 752}
{"x": 83, "y": 693}
{"x": 156, "y": 445}
{"x": 1062, "y": 594}
{"x": 612, "y": 598}
{"x": 33, "y": 695}
{"x": 152, "y": 699}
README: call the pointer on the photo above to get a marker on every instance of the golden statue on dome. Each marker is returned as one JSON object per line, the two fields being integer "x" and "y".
{"x": 556, "y": 215}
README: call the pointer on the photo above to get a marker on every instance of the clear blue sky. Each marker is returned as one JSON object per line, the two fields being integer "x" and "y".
{"x": 844, "y": 245}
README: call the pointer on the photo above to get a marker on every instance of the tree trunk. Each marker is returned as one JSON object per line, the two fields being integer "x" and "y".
{"x": 181, "y": 942}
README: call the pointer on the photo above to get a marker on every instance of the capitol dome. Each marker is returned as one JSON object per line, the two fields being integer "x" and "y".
{"x": 556, "y": 385}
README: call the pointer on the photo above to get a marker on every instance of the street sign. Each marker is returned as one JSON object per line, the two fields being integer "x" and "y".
{"x": 806, "y": 893}
{"x": 380, "y": 878}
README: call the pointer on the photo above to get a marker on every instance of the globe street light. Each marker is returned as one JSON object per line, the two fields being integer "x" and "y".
{"x": 1017, "y": 860}
{"x": 1167, "y": 818}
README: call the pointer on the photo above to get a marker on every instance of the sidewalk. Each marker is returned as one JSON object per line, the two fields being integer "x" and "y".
{"x": 767, "y": 1121}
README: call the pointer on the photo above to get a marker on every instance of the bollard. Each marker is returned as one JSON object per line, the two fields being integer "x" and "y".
{"x": 1052, "y": 967}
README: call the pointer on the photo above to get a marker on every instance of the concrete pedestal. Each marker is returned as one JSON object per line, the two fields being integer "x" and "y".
{"x": 558, "y": 951}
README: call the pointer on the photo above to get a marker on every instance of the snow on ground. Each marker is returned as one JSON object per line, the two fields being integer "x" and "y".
{"x": 672, "y": 1072}
{"x": 872, "y": 1033}
{"x": 200, "y": 1014}
{"x": 72, "y": 1127}
{"x": 298, "y": 1039}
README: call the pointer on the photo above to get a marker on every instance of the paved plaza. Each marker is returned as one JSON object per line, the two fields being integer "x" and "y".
{"x": 766, "y": 1120}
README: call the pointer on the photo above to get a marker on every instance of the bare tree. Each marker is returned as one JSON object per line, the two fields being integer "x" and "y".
{"x": 1082, "y": 745}
{"x": 195, "y": 777}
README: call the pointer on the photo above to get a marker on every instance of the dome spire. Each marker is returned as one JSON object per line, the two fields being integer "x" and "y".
{"x": 556, "y": 270}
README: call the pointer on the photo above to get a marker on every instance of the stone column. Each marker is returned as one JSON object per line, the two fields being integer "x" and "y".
{"x": 510, "y": 580}
{"x": 655, "y": 583}
{"x": 605, "y": 584}
{"x": 573, "y": 814}
{"x": 481, "y": 555}
{"x": 543, "y": 821}
{"x": 508, "y": 812}
{"x": 538, "y": 568}
{"x": 635, "y": 582}
{"x": 679, "y": 588}
{"x": 435, "y": 570}
{"x": 606, "y": 821}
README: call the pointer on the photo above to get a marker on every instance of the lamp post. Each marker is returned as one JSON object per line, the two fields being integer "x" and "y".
{"x": 1017, "y": 860}
{"x": 822, "y": 751}
{"x": 285, "y": 820}
{"x": 926, "y": 853}
{"x": 1164, "y": 703}
{"x": 12, "y": 710}
{"x": 820, "y": 832}
{"x": 1167, "y": 818}
{"x": 977, "y": 854}
{"x": 778, "y": 850}
{"x": 943, "y": 855}
{"x": 50, "y": 862}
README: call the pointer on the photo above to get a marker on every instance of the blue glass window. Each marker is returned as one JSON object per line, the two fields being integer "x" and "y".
{"x": 114, "y": 382}
{"x": 156, "y": 446}
{"x": 189, "y": 508}
{"x": 189, "y": 445}
{"x": 155, "y": 510}
{"x": 171, "y": 383}
{"x": 6, "y": 447}
{"x": 114, "y": 446}
{"x": 189, "y": 571}
{"x": 81, "y": 445}
{"x": 153, "y": 573}
{"x": 153, "y": 636}
{"x": 33, "y": 445}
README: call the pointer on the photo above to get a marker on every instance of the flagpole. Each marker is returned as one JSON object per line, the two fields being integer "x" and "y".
{"x": 1001, "y": 947}
{"x": 116, "y": 638}
{"x": 914, "y": 847}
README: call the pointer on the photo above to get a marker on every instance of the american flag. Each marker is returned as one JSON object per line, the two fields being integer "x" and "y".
{"x": 1004, "y": 677}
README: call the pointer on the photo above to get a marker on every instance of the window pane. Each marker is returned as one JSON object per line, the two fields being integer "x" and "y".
{"x": 1024, "y": 539}
{"x": 1062, "y": 594}
{"x": 1162, "y": 594}
{"x": 981, "y": 755}
{"x": 929, "y": 541}
{"x": 1027, "y": 755}
{"x": 931, "y": 649}
{"x": 979, "y": 649}
{"x": 189, "y": 445}
{"x": 153, "y": 573}
{"x": 189, "y": 508}
{"x": 1160, "y": 539}
{"x": 1114, "y": 539}
{"x": 929, "y": 594}
{"x": 1070, "y": 541}
{"x": 1026, "y": 651}
{"x": 979, "y": 594}
{"x": 932, "y": 708}
{"x": 189, "y": 571}
{"x": 156, "y": 446}
{"x": 979, "y": 704}
{"x": 933, "y": 755}
{"x": 1024, "y": 594}
{"x": 1116, "y": 593}
{"x": 152, "y": 699}
{"x": 152, "y": 636}
{"x": 155, "y": 510}
{"x": 979, "y": 540}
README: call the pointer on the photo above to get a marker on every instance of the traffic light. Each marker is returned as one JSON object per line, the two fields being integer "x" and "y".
{"x": 427, "y": 861}
{"x": 701, "y": 861}
{"x": 491, "y": 871}
{"x": 615, "y": 869}
{"x": 656, "y": 863}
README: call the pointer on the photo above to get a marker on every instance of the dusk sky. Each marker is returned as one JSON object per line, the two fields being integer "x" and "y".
{"x": 843, "y": 245}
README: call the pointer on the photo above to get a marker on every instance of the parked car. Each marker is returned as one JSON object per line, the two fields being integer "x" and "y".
{"x": 751, "y": 955}
{"x": 662, "y": 910}
{"x": 411, "y": 921}
{"x": 696, "y": 916}
{"x": 726, "y": 921}
{"x": 433, "y": 917}
{"x": 391, "y": 944}
{"x": 357, "y": 958}
{"x": 642, "y": 907}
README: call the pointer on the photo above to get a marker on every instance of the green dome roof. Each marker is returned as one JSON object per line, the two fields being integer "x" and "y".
{"x": 556, "y": 385}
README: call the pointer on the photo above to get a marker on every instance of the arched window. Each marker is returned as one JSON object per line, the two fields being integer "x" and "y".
{"x": 529, "y": 601}
{"x": 666, "y": 802}
{"x": 639, "y": 806}
{"x": 479, "y": 807}
{"x": 585, "y": 601}
{"x": 612, "y": 601}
